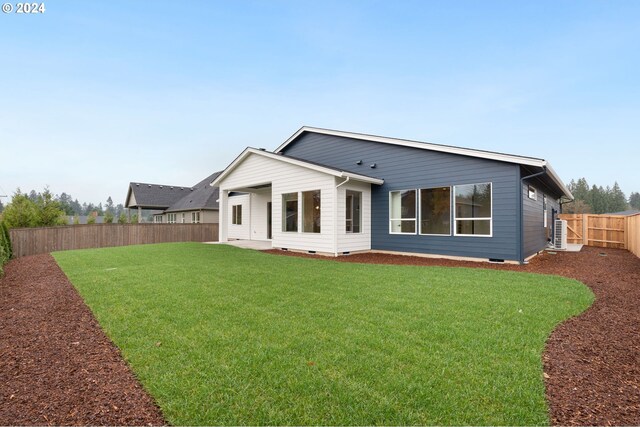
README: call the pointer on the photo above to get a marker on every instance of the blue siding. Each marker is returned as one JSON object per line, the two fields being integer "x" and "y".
{"x": 405, "y": 168}
{"x": 535, "y": 235}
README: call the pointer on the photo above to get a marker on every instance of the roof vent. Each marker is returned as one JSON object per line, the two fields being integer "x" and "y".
{"x": 161, "y": 186}
{"x": 172, "y": 188}
{"x": 262, "y": 149}
{"x": 137, "y": 185}
{"x": 372, "y": 165}
{"x": 359, "y": 162}
{"x": 149, "y": 185}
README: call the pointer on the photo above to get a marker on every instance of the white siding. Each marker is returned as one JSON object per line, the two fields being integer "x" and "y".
{"x": 210, "y": 217}
{"x": 239, "y": 231}
{"x": 350, "y": 242}
{"x": 259, "y": 202}
{"x": 287, "y": 178}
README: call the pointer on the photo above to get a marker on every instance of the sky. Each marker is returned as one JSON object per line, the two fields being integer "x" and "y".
{"x": 97, "y": 94}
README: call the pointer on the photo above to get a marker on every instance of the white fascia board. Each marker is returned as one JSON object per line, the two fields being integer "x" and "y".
{"x": 248, "y": 151}
{"x": 554, "y": 176}
{"x": 510, "y": 158}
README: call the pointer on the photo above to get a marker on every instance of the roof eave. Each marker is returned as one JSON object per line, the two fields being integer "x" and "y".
{"x": 509, "y": 158}
{"x": 301, "y": 163}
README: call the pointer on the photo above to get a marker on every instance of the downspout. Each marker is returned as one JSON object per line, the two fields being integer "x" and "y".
{"x": 521, "y": 249}
{"x": 335, "y": 218}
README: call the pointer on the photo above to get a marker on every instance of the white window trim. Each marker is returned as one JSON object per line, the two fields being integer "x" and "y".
{"x": 234, "y": 221}
{"x": 420, "y": 211}
{"x": 283, "y": 220}
{"x": 415, "y": 219}
{"x": 455, "y": 218}
{"x": 545, "y": 213}
{"x": 301, "y": 212}
{"x": 360, "y": 214}
{"x": 195, "y": 217}
{"x": 182, "y": 218}
{"x": 535, "y": 192}
{"x": 171, "y": 218}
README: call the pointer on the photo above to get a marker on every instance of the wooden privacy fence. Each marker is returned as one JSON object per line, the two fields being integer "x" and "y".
{"x": 607, "y": 231}
{"x": 31, "y": 241}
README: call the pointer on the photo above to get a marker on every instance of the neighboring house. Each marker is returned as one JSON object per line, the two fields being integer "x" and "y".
{"x": 176, "y": 204}
{"x": 84, "y": 219}
{"x": 334, "y": 192}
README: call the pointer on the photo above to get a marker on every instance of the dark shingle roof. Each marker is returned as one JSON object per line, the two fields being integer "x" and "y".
{"x": 157, "y": 196}
{"x": 174, "y": 198}
{"x": 203, "y": 196}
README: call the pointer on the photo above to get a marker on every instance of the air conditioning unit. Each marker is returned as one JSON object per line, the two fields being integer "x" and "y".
{"x": 560, "y": 235}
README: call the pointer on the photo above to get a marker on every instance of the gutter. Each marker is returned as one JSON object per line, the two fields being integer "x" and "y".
{"x": 335, "y": 218}
{"x": 521, "y": 248}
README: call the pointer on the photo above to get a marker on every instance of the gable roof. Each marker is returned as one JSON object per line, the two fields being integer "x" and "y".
{"x": 483, "y": 154}
{"x": 154, "y": 196}
{"x": 203, "y": 196}
{"x": 297, "y": 162}
{"x": 173, "y": 198}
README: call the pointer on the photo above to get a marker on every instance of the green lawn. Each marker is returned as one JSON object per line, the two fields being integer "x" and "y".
{"x": 252, "y": 338}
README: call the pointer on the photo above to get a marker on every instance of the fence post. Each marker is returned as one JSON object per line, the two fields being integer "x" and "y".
{"x": 585, "y": 230}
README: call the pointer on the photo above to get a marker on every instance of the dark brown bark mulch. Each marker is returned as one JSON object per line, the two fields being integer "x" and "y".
{"x": 56, "y": 364}
{"x": 593, "y": 360}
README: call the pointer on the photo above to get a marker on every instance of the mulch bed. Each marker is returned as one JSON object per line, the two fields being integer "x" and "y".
{"x": 57, "y": 367}
{"x": 592, "y": 361}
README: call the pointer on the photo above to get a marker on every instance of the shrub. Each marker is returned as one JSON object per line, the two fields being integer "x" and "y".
{"x": 5, "y": 240}
{"x": 76, "y": 220}
{"x": 91, "y": 219}
{"x": 122, "y": 219}
{"x": 108, "y": 218}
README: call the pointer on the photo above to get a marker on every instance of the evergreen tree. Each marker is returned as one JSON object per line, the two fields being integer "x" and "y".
{"x": 634, "y": 200}
{"x": 617, "y": 199}
{"x": 122, "y": 218}
{"x": 50, "y": 211}
{"x": 108, "y": 217}
{"x": 1, "y": 206}
{"x": 21, "y": 212}
{"x": 77, "y": 207}
{"x": 109, "y": 207}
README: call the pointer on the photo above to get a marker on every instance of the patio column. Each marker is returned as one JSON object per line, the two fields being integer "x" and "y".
{"x": 223, "y": 221}
{"x": 139, "y": 214}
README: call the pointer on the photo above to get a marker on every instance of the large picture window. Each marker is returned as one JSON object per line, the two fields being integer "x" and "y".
{"x": 311, "y": 211}
{"x": 435, "y": 211}
{"x": 195, "y": 217}
{"x": 236, "y": 215}
{"x": 402, "y": 212}
{"x": 473, "y": 213}
{"x": 353, "y": 214}
{"x": 290, "y": 212}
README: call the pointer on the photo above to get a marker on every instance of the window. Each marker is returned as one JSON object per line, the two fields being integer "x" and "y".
{"x": 533, "y": 194}
{"x": 171, "y": 218}
{"x": 353, "y": 214}
{"x": 311, "y": 211}
{"x": 290, "y": 212}
{"x": 544, "y": 211}
{"x": 402, "y": 212}
{"x": 236, "y": 214}
{"x": 435, "y": 211}
{"x": 183, "y": 218}
{"x": 157, "y": 219}
{"x": 473, "y": 210}
{"x": 195, "y": 217}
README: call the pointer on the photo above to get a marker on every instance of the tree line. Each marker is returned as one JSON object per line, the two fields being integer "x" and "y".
{"x": 598, "y": 199}
{"x": 43, "y": 209}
